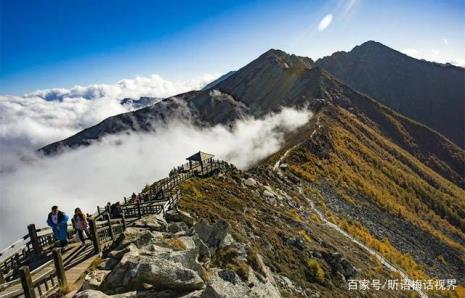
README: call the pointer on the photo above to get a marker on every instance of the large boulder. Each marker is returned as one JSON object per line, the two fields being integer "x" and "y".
{"x": 152, "y": 222}
{"x": 135, "y": 271}
{"x": 213, "y": 235}
{"x": 179, "y": 216}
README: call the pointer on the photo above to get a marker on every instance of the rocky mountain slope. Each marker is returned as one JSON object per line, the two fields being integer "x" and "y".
{"x": 431, "y": 93}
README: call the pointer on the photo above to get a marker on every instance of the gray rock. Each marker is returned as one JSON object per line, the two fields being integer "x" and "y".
{"x": 177, "y": 227}
{"x": 340, "y": 265}
{"x": 212, "y": 235}
{"x": 349, "y": 271}
{"x": 179, "y": 216}
{"x": 250, "y": 182}
{"x": 219, "y": 287}
{"x": 108, "y": 264}
{"x": 132, "y": 294}
{"x": 298, "y": 242}
{"x": 228, "y": 275}
{"x": 152, "y": 222}
{"x": 134, "y": 270}
{"x": 91, "y": 294}
{"x": 94, "y": 279}
{"x": 203, "y": 251}
{"x": 159, "y": 294}
{"x": 118, "y": 254}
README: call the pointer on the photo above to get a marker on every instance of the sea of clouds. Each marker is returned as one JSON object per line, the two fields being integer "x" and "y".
{"x": 117, "y": 165}
{"x": 45, "y": 116}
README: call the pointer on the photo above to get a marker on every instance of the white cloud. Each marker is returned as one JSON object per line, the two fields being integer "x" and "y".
{"x": 410, "y": 52}
{"x": 152, "y": 86}
{"x": 433, "y": 55}
{"x": 325, "y": 22}
{"x": 119, "y": 165}
{"x": 44, "y": 116}
{"x": 445, "y": 41}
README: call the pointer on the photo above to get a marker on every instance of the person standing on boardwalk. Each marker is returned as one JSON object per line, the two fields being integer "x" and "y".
{"x": 81, "y": 225}
{"x": 58, "y": 221}
{"x": 116, "y": 210}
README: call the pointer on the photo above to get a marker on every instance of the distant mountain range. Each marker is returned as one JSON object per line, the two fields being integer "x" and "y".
{"x": 142, "y": 102}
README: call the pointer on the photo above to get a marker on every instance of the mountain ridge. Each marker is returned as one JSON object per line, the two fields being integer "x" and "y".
{"x": 421, "y": 90}
{"x": 272, "y": 81}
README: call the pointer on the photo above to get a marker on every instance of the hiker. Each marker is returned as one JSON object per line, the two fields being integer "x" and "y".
{"x": 108, "y": 208}
{"x": 58, "y": 221}
{"x": 81, "y": 225}
{"x": 116, "y": 210}
{"x": 134, "y": 198}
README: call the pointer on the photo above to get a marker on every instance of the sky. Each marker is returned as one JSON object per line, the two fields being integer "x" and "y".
{"x": 55, "y": 43}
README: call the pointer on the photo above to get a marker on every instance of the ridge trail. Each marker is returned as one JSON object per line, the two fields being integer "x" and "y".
{"x": 335, "y": 227}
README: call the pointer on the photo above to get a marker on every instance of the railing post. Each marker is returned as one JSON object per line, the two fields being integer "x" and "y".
{"x": 26, "y": 282}
{"x": 34, "y": 239}
{"x": 98, "y": 210}
{"x": 2, "y": 278}
{"x": 110, "y": 229}
{"x": 138, "y": 210}
{"x": 60, "y": 268}
{"x": 95, "y": 237}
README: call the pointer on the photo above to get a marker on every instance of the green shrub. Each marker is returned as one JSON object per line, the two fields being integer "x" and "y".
{"x": 314, "y": 271}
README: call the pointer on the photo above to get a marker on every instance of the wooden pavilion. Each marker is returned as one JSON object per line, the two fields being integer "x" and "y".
{"x": 199, "y": 159}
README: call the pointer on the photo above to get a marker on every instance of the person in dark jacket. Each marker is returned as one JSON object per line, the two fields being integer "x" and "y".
{"x": 58, "y": 221}
{"x": 116, "y": 210}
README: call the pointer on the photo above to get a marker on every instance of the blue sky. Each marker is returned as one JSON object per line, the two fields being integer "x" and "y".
{"x": 57, "y": 43}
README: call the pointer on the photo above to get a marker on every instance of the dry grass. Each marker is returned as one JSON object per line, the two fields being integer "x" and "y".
{"x": 362, "y": 162}
{"x": 176, "y": 244}
{"x": 404, "y": 261}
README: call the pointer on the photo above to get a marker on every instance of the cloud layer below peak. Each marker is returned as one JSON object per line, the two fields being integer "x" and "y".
{"x": 38, "y": 118}
{"x": 121, "y": 164}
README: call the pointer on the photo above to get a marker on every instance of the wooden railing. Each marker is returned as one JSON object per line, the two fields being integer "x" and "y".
{"x": 49, "y": 277}
{"x": 37, "y": 248}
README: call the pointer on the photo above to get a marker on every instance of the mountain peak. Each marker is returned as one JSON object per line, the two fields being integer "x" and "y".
{"x": 374, "y": 48}
{"x": 285, "y": 60}
{"x": 373, "y": 44}
{"x": 416, "y": 88}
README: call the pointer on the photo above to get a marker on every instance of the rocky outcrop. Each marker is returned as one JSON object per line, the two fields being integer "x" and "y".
{"x": 179, "y": 257}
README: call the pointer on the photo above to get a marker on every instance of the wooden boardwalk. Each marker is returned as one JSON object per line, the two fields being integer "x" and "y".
{"x": 76, "y": 260}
